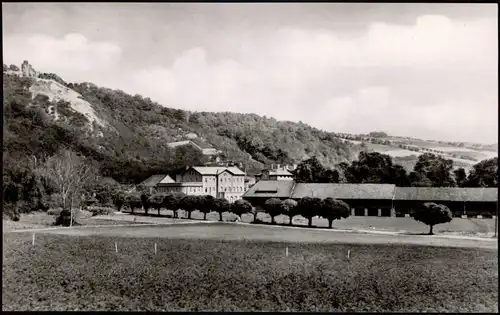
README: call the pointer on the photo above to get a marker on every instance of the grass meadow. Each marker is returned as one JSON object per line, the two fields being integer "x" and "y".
{"x": 67, "y": 273}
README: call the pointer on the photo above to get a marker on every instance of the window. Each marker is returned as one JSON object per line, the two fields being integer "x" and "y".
{"x": 206, "y": 189}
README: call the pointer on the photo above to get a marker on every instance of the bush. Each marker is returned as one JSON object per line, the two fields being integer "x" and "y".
{"x": 100, "y": 210}
{"x": 64, "y": 218}
{"x": 54, "y": 211}
{"x": 11, "y": 211}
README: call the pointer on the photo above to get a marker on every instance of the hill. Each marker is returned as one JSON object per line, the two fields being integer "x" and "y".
{"x": 128, "y": 135}
{"x": 405, "y": 150}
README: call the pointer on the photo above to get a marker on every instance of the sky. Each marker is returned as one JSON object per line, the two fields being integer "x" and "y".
{"x": 422, "y": 70}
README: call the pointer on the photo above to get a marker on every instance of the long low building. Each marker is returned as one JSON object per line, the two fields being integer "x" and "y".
{"x": 380, "y": 199}
{"x": 461, "y": 201}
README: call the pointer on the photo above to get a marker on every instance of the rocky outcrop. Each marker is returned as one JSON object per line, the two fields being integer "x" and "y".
{"x": 27, "y": 70}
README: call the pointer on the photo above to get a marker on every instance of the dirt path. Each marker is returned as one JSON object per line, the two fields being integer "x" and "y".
{"x": 228, "y": 231}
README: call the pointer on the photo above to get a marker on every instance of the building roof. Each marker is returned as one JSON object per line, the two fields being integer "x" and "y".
{"x": 179, "y": 143}
{"x": 153, "y": 180}
{"x": 107, "y": 180}
{"x": 167, "y": 179}
{"x": 202, "y": 144}
{"x": 249, "y": 178}
{"x": 280, "y": 172}
{"x": 214, "y": 170}
{"x": 288, "y": 189}
{"x": 270, "y": 189}
{"x": 446, "y": 194}
{"x": 181, "y": 184}
{"x": 345, "y": 191}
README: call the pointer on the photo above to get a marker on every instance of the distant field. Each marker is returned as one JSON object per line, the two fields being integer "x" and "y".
{"x": 63, "y": 273}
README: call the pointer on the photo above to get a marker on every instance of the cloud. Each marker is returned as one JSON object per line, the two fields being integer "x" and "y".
{"x": 403, "y": 79}
{"x": 73, "y": 56}
{"x": 335, "y": 83}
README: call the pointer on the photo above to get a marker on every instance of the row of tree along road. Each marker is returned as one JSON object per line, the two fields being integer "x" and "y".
{"x": 307, "y": 207}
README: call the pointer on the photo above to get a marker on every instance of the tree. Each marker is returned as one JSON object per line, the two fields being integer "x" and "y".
{"x": 134, "y": 201}
{"x": 460, "y": 177}
{"x": 221, "y": 205}
{"x": 431, "y": 214}
{"x": 484, "y": 174}
{"x": 434, "y": 170}
{"x": 145, "y": 201}
{"x": 273, "y": 208}
{"x": 157, "y": 201}
{"x": 371, "y": 167}
{"x": 289, "y": 207}
{"x": 189, "y": 203}
{"x": 172, "y": 201}
{"x": 119, "y": 199}
{"x": 309, "y": 207}
{"x": 255, "y": 212}
{"x": 332, "y": 209}
{"x": 378, "y": 134}
{"x": 69, "y": 172}
{"x": 312, "y": 171}
{"x": 240, "y": 207}
{"x": 206, "y": 205}
{"x": 400, "y": 176}
{"x": 102, "y": 190}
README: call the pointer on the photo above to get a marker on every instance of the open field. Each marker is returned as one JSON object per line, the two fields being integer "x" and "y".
{"x": 249, "y": 232}
{"x": 64, "y": 273}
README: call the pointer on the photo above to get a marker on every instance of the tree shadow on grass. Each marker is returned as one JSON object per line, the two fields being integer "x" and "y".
{"x": 293, "y": 225}
{"x": 416, "y": 233}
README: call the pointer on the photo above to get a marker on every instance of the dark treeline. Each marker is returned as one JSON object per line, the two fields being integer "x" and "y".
{"x": 430, "y": 171}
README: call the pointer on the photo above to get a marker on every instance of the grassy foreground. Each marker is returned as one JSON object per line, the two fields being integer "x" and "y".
{"x": 84, "y": 273}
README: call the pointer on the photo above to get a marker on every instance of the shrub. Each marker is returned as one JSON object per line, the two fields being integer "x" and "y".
{"x": 54, "y": 211}
{"x": 96, "y": 210}
{"x": 64, "y": 218}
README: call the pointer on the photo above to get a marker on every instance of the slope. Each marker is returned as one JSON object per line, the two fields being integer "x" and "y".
{"x": 128, "y": 135}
